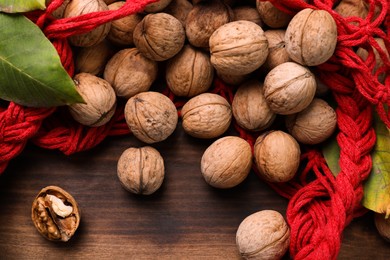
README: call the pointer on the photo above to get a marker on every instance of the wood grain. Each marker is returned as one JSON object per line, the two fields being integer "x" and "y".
{"x": 185, "y": 219}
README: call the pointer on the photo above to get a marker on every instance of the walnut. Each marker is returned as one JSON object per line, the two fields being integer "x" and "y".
{"x": 276, "y": 48}
{"x": 272, "y": 16}
{"x": 204, "y": 18}
{"x": 151, "y": 116}
{"x": 247, "y": 13}
{"x": 157, "y": 6}
{"x": 121, "y": 32}
{"x": 190, "y": 72}
{"x": 179, "y": 9}
{"x": 226, "y": 162}
{"x": 80, "y": 7}
{"x": 363, "y": 54}
{"x": 238, "y": 48}
{"x": 55, "y": 214}
{"x": 263, "y": 235}
{"x": 289, "y": 88}
{"x": 277, "y": 156}
{"x": 314, "y": 124}
{"x": 350, "y": 8}
{"x": 232, "y": 79}
{"x": 250, "y": 108}
{"x": 382, "y": 224}
{"x": 159, "y": 36}
{"x": 99, "y": 97}
{"x": 206, "y": 116}
{"x": 93, "y": 59}
{"x": 141, "y": 170}
{"x": 311, "y": 37}
{"x": 129, "y": 72}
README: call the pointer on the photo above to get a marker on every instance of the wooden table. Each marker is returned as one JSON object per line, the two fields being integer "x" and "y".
{"x": 185, "y": 219}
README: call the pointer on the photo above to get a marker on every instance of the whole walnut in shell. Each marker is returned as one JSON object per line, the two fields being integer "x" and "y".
{"x": 151, "y": 116}
{"x": 350, "y": 8}
{"x": 232, "y": 79}
{"x": 289, "y": 88}
{"x": 272, "y": 16}
{"x": 121, "y": 31}
{"x": 206, "y": 116}
{"x": 263, "y": 235}
{"x": 59, "y": 12}
{"x": 363, "y": 53}
{"x": 250, "y": 108}
{"x": 99, "y": 97}
{"x": 55, "y": 214}
{"x": 314, "y": 124}
{"x": 93, "y": 59}
{"x": 157, "y": 6}
{"x": 276, "y": 48}
{"x": 141, "y": 170}
{"x": 311, "y": 37}
{"x": 238, "y": 48}
{"x": 247, "y": 13}
{"x": 226, "y": 162}
{"x": 204, "y": 18}
{"x": 130, "y": 72}
{"x": 190, "y": 72}
{"x": 277, "y": 156}
{"x": 159, "y": 36}
{"x": 80, "y": 7}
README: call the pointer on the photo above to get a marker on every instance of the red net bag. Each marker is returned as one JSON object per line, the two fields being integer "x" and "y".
{"x": 320, "y": 205}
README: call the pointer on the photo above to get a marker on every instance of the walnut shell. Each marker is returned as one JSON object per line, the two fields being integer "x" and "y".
{"x": 129, "y": 72}
{"x": 247, "y": 13}
{"x": 190, "y": 72}
{"x": 204, "y": 18}
{"x": 99, "y": 97}
{"x": 157, "y": 6}
{"x": 238, "y": 48}
{"x": 121, "y": 31}
{"x": 233, "y": 79}
{"x": 141, "y": 170}
{"x": 151, "y": 116}
{"x": 382, "y": 224}
{"x": 55, "y": 214}
{"x": 226, "y": 162}
{"x": 350, "y": 8}
{"x": 250, "y": 108}
{"x": 276, "y": 48}
{"x": 206, "y": 116}
{"x": 179, "y": 9}
{"x": 363, "y": 54}
{"x": 289, "y": 88}
{"x": 263, "y": 235}
{"x": 59, "y": 12}
{"x": 311, "y": 37}
{"x": 272, "y": 16}
{"x": 277, "y": 156}
{"x": 80, "y": 7}
{"x": 93, "y": 59}
{"x": 159, "y": 36}
{"x": 314, "y": 124}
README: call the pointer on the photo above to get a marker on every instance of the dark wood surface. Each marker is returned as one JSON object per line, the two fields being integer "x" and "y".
{"x": 185, "y": 219}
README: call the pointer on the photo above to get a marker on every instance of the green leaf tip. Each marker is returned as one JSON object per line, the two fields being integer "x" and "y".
{"x": 21, "y": 6}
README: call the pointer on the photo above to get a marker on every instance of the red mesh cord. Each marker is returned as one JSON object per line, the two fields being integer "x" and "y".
{"x": 320, "y": 205}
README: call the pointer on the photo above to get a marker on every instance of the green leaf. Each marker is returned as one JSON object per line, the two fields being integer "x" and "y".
{"x": 377, "y": 186}
{"x": 31, "y": 73}
{"x": 331, "y": 152}
{"x": 20, "y": 6}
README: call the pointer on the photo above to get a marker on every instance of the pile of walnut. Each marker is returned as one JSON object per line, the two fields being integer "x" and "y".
{"x": 249, "y": 44}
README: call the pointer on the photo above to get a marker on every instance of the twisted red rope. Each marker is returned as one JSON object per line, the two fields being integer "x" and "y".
{"x": 319, "y": 209}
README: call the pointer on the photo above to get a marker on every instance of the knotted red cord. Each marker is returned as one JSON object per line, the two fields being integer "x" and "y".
{"x": 321, "y": 205}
